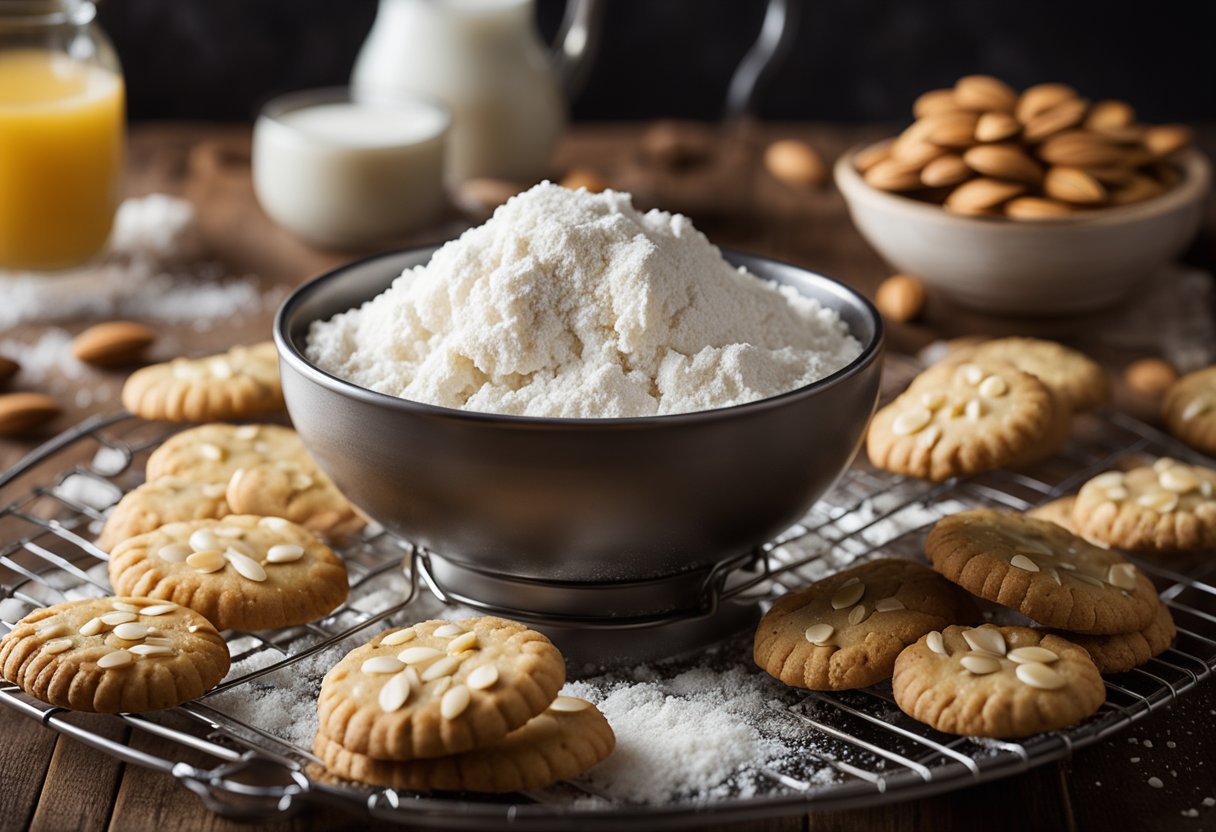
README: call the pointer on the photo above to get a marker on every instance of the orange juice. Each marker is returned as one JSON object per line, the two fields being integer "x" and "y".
{"x": 61, "y": 148}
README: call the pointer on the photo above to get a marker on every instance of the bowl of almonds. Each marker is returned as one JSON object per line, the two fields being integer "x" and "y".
{"x": 1035, "y": 203}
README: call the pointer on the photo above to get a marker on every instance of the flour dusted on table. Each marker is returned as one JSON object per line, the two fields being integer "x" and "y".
{"x": 572, "y": 304}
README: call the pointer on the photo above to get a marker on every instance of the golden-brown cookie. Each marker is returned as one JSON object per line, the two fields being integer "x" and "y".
{"x": 996, "y": 681}
{"x": 297, "y": 490}
{"x": 960, "y": 419}
{"x": 242, "y": 572}
{"x": 214, "y": 452}
{"x": 1057, "y": 511}
{"x": 1079, "y": 382}
{"x": 111, "y": 655}
{"x": 156, "y": 503}
{"x": 1166, "y": 507}
{"x": 238, "y": 384}
{"x": 1120, "y": 653}
{"x": 439, "y": 688}
{"x": 569, "y": 738}
{"x": 1043, "y": 571}
{"x": 846, "y": 630}
{"x": 1189, "y": 410}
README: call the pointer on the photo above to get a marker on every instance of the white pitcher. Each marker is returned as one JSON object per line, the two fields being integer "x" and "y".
{"x": 484, "y": 59}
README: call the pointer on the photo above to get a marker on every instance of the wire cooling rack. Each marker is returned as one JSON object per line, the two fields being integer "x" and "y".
{"x": 52, "y": 503}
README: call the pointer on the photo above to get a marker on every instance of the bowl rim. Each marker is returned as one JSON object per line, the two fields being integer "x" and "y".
{"x": 1196, "y": 169}
{"x": 295, "y": 358}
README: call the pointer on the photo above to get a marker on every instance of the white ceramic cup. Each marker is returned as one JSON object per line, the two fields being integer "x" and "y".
{"x": 1051, "y": 267}
{"x": 344, "y": 174}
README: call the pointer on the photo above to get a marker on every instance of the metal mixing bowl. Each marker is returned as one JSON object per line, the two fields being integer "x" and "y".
{"x": 578, "y": 500}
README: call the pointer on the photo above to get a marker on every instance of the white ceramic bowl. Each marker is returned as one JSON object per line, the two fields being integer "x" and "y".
{"x": 1053, "y": 267}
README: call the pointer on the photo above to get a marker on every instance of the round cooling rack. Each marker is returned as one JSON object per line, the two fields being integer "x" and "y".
{"x": 845, "y": 749}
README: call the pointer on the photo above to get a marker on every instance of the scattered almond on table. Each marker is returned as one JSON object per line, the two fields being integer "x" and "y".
{"x": 8, "y": 369}
{"x": 1150, "y": 376}
{"x": 584, "y": 178}
{"x": 113, "y": 344}
{"x": 22, "y": 413}
{"x": 900, "y": 297}
{"x": 981, "y": 148}
{"x": 795, "y": 163}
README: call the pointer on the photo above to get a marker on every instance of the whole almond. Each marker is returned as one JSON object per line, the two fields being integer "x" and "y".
{"x": 1110, "y": 115}
{"x": 983, "y": 92}
{"x": 481, "y": 196}
{"x": 893, "y": 175}
{"x": 900, "y": 297}
{"x": 956, "y": 130}
{"x": 871, "y": 155}
{"x": 8, "y": 369}
{"x": 1150, "y": 376}
{"x": 1066, "y": 114}
{"x": 1111, "y": 174}
{"x": 945, "y": 171}
{"x": 915, "y": 151}
{"x": 23, "y": 412}
{"x": 935, "y": 101}
{"x": 795, "y": 163}
{"x": 113, "y": 344}
{"x": 1039, "y": 98}
{"x": 980, "y": 196}
{"x": 584, "y": 178}
{"x": 1004, "y": 161}
{"x": 1080, "y": 150}
{"x": 1137, "y": 189}
{"x": 1132, "y": 134}
{"x": 1073, "y": 185}
{"x": 996, "y": 127}
{"x": 1035, "y": 208}
{"x": 1165, "y": 139}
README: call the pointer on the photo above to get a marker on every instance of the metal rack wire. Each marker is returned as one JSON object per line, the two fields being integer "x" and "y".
{"x": 50, "y": 501}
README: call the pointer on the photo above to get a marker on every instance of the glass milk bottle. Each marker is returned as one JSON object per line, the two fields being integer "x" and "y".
{"x": 485, "y": 61}
{"x": 61, "y": 134}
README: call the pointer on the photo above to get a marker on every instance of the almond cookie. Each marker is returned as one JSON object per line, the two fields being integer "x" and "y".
{"x": 214, "y": 452}
{"x": 846, "y": 630}
{"x": 299, "y": 491}
{"x": 1043, "y": 571}
{"x": 1120, "y": 653}
{"x": 238, "y": 384}
{"x": 162, "y": 501}
{"x": 1166, "y": 507}
{"x": 996, "y": 681}
{"x": 1189, "y": 410}
{"x": 1057, "y": 511}
{"x": 242, "y": 572}
{"x": 960, "y": 419}
{"x": 111, "y": 655}
{"x": 439, "y": 688}
{"x": 569, "y": 738}
{"x": 1079, "y": 382}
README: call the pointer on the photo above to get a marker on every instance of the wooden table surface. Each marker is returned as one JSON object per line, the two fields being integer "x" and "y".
{"x": 49, "y": 782}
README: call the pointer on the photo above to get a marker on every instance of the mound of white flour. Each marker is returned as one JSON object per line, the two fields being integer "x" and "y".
{"x": 572, "y": 304}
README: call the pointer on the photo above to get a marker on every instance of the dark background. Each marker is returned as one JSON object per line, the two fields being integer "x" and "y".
{"x": 853, "y": 59}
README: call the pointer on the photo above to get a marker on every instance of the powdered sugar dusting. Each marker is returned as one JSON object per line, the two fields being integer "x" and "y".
{"x": 578, "y": 305}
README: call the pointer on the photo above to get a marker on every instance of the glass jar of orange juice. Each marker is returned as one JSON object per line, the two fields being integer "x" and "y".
{"x": 61, "y": 134}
